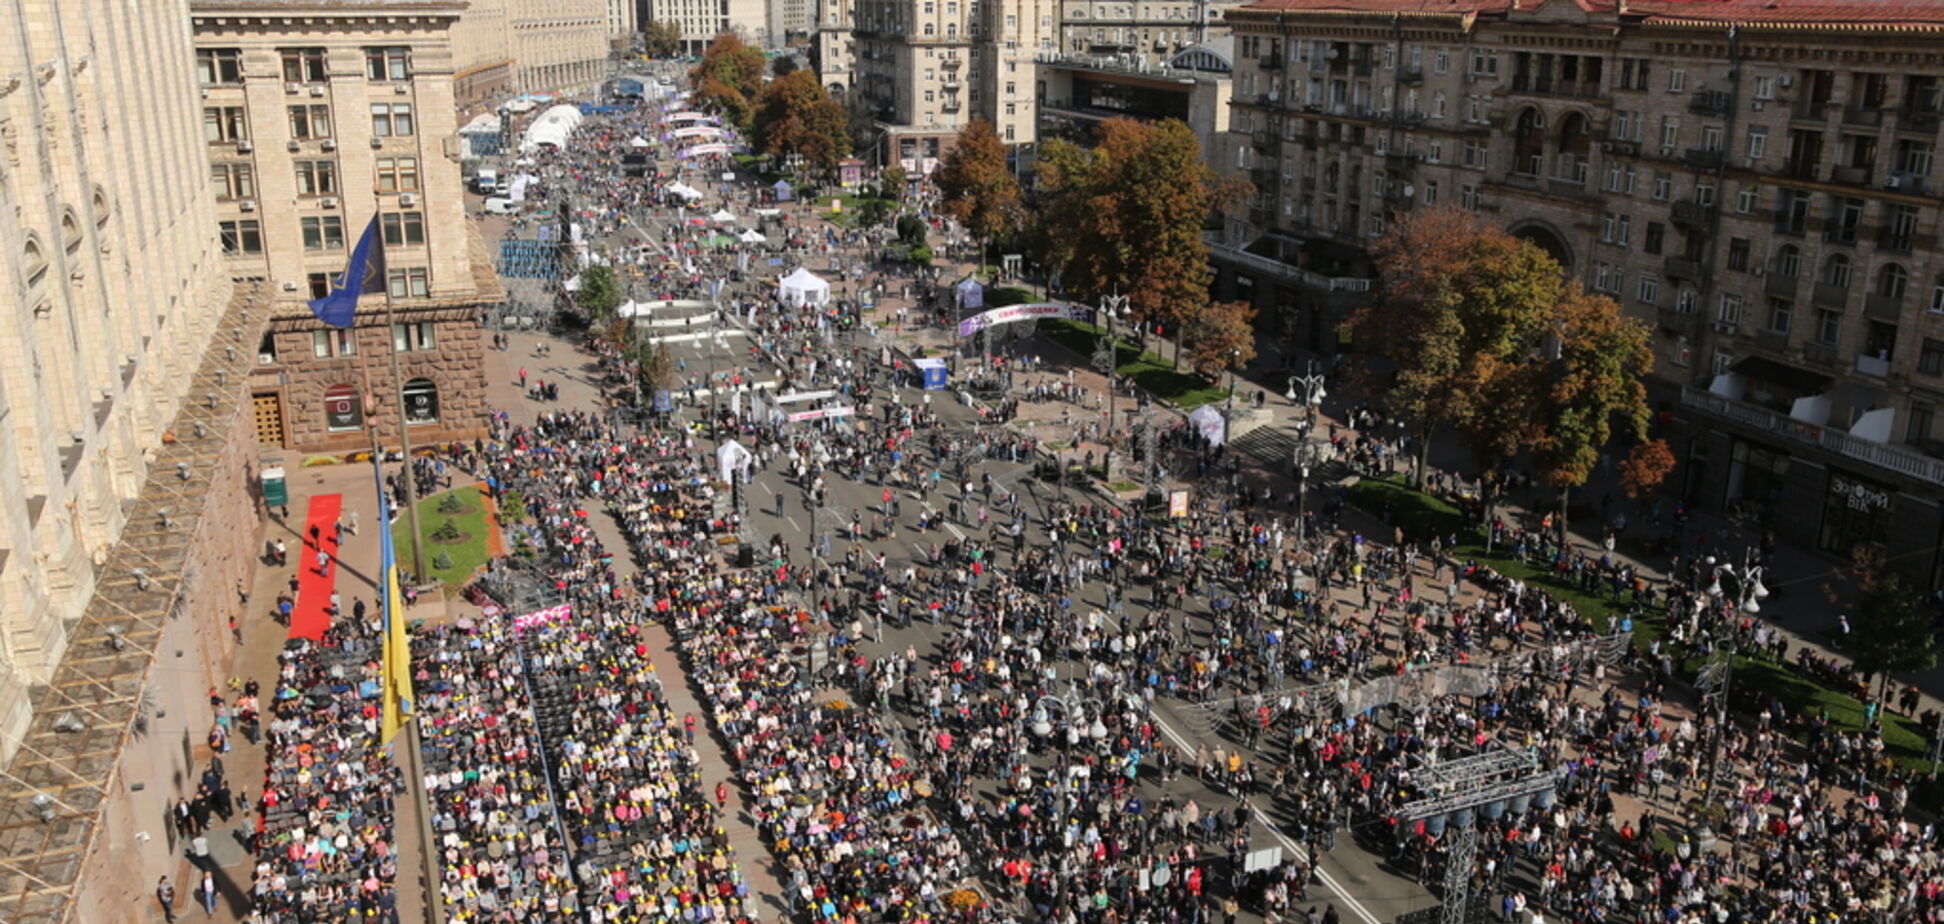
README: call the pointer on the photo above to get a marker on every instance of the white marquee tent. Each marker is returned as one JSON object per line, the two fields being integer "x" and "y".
{"x": 552, "y": 128}
{"x": 803, "y": 287}
{"x": 751, "y": 236}
{"x": 684, "y": 190}
{"x": 723, "y": 217}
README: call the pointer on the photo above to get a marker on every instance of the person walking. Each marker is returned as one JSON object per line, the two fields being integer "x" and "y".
{"x": 165, "y": 896}
{"x": 206, "y": 891}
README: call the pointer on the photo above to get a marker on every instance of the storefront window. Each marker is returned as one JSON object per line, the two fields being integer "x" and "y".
{"x": 421, "y": 401}
{"x": 1755, "y": 478}
{"x": 342, "y": 409}
{"x": 1855, "y": 512}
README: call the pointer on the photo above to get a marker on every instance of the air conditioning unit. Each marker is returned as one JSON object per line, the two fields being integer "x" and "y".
{"x": 247, "y": 205}
{"x": 329, "y": 202}
{"x": 1724, "y": 327}
{"x": 376, "y": 141}
{"x": 1667, "y": 151}
{"x": 292, "y": 144}
{"x": 1786, "y": 81}
{"x": 1760, "y": 270}
{"x": 407, "y": 199}
{"x": 317, "y": 91}
{"x": 1606, "y": 147}
{"x": 243, "y": 145}
{"x": 330, "y": 144}
{"x": 402, "y": 89}
{"x": 293, "y": 88}
{"x": 1759, "y": 105}
{"x": 205, "y": 92}
{"x": 290, "y": 287}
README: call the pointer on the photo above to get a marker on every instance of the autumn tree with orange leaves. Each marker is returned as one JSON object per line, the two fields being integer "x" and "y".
{"x": 729, "y": 78}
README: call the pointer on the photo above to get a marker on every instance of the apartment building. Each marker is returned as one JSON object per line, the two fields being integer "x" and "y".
{"x": 703, "y": 20}
{"x": 1151, "y": 30}
{"x": 833, "y": 49}
{"x": 1759, "y": 187}
{"x": 786, "y": 19}
{"x": 557, "y": 44}
{"x": 482, "y": 56}
{"x": 314, "y": 122}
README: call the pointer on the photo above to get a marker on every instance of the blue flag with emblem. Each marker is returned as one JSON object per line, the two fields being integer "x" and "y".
{"x": 365, "y": 273}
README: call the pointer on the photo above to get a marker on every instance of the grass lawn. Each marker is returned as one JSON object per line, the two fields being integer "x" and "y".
{"x": 852, "y": 202}
{"x": 754, "y": 163}
{"x": 1005, "y": 296}
{"x": 1756, "y": 680}
{"x": 464, "y": 555}
{"x": 1149, "y": 371}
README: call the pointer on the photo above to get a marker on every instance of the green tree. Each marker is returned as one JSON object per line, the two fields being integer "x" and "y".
{"x": 891, "y": 182}
{"x": 1596, "y": 383}
{"x": 975, "y": 187}
{"x": 654, "y": 366}
{"x": 661, "y": 39}
{"x": 1219, "y": 337}
{"x": 797, "y": 116}
{"x": 1460, "y": 311}
{"x": 1891, "y": 632}
{"x": 600, "y": 292}
{"x": 1127, "y": 216}
{"x": 729, "y": 78}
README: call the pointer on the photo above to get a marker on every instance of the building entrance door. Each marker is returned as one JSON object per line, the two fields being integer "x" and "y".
{"x": 269, "y": 419}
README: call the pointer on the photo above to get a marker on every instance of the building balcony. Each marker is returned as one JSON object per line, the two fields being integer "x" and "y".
{"x": 1772, "y": 341}
{"x": 1674, "y": 319}
{"x": 952, "y": 64}
{"x": 1892, "y": 240}
{"x": 1693, "y": 214}
{"x": 1410, "y": 76}
{"x": 1807, "y": 169}
{"x": 1921, "y": 122}
{"x": 1264, "y": 141}
{"x": 1840, "y": 234}
{"x": 950, "y": 104}
{"x": 1886, "y": 456}
{"x": 1779, "y": 285}
{"x": 1710, "y": 103}
{"x": 1270, "y": 101}
{"x": 1401, "y": 161}
{"x": 1850, "y": 176}
{"x": 1821, "y": 354}
{"x": 1286, "y": 272}
{"x": 1262, "y": 216}
{"x": 1872, "y": 366}
{"x": 1703, "y": 158}
{"x": 1830, "y": 295}
{"x": 1271, "y": 62}
{"x": 1863, "y": 117}
{"x": 1912, "y": 183}
{"x": 1683, "y": 268}
{"x": 1264, "y": 178}
{"x": 1362, "y": 67}
{"x": 1883, "y": 307}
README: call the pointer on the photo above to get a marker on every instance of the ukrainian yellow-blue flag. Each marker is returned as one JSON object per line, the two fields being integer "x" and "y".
{"x": 395, "y": 698}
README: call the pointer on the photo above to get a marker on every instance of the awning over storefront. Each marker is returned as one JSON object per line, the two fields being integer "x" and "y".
{"x": 1795, "y": 379}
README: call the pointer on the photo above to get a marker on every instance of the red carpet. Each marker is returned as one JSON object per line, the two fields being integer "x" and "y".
{"x": 313, "y": 613}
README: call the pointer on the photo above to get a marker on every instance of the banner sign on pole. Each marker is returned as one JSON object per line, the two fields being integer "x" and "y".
{"x": 796, "y": 396}
{"x": 826, "y": 413}
{"x": 687, "y": 115}
{"x": 1178, "y": 504}
{"x": 1031, "y": 311}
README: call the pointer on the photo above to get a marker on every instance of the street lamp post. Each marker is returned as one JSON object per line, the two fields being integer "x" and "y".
{"x": 1719, "y": 678}
{"x": 1308, "y": 389}
{"x": 1107, "y": 360}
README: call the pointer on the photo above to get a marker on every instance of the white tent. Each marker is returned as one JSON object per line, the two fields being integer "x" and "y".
{"x": 1211, "y": 424}
{"x": 751, "y": 236}
{"x": 723, "y": 217}
{"x": 684, "y": 190}
{"x": 803, "y": 287}
{"x": 732, "y": 458}
{"x": 552, "y": 128}
{"x": 639, "y": 142}
{"x": 628, "y": 309}
{"x": 970, "y": 293}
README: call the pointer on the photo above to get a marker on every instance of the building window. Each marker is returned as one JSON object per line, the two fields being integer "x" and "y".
{"x": 320, "y": 285}
{"x": 342, "y": 409}
{"x": 1855, "y": 512}
{"x": 1738, "y": 254}
{"x": 1937, "y": 294}
{"x": 1469, "y": 198}
{"x": 1685, "y": 300}
{"x": 398, "y": 174}
{"x": 1930, "y": 359}
{"x": 404, "y": 228}
{"x": 1747, "y": 198}
{"x": 1764, "y": 88}
{"x": 304, "y": 65}
{"x": 1728, "y": 310}
{"x": 309, "y": 123}
{"x": 1663, "y": 187}
{"x": 1922, "y": 417}
{"x": 225, "y": 124}
{"x": 1836, "y": 271}
{"x": 414, "y": 337}
{"x": 1829, "y": 327}
{"x": 1656, "y": 237}
{"x": 407, "y": 282}
{"x": 391, "y": 62}
{"x": 317, "y": 178}
{"x": 391, "y": 119}
{"x": 245, "y": 236}
{"x": 421, "y": 401}
{"x": 1484, "y": 63}
{"x": 1788, "y": 261}
{"x": 1676, "y": 80}
{"x": 334, "y": 342}
{"x": 1683, "y": 352}
{"x": 1441, "y": 61}
{"x": 1430, "y": 192}
{"x": 1648, "y": 290}
{"x": 1781, "y": 315}
{"x": 233, "y": 181}
{"x": 219, "y": 66}
{"x": 1757, "y": 141}
{"x": 323, "y": 232}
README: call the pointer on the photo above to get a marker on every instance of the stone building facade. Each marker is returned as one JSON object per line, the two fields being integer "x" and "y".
{"x": 482, "y": 56}
{"x": 703, "y": 20}
{"x": 1149, "y": 30}
{"x": 925, "y": 68}
{"x": 1757, "y": 184}
{"x": 113, "y": 283}
{"x": 557, "y": 44}
{"x": 315, "y": 121}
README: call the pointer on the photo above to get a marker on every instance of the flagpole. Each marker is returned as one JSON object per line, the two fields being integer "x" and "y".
{"x": 414, "y": 743}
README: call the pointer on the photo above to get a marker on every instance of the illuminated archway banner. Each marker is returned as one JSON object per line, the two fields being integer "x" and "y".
{"x": 1031, "y": 311}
